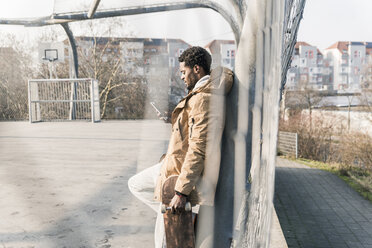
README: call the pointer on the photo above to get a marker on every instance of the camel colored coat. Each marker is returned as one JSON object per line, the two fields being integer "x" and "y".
{"x": 194, "y": 147}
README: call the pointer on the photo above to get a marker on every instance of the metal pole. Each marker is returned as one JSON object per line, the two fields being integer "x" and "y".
{"x": 29, "y": 102}
{"x": 71, "y": 39}
{"x": 92, "y": 99}
{"x": 296, "y": 145}
{"x": 93, "y": 8}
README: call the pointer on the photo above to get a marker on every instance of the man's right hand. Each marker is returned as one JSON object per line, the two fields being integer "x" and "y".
{"x": 164, "y": 117}
{"x": 178, "y": 203}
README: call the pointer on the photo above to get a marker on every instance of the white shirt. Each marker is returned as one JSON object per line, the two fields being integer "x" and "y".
{"x": 201, "y": 82}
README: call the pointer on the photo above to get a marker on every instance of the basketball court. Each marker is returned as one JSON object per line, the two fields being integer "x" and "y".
{"x": 64, "y": 184}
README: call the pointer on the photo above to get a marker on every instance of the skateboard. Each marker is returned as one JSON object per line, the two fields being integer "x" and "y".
{"x": 179, "y": 228}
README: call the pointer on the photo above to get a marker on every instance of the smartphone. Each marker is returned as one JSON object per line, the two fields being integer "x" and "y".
{"x": 156, "y": 109}
{"x": 160, "y": 114}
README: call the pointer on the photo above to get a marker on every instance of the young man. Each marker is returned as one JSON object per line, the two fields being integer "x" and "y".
{"x": 197, "y": 124}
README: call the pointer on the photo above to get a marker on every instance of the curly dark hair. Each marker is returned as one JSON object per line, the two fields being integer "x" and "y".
{"x": 197, "y": 56}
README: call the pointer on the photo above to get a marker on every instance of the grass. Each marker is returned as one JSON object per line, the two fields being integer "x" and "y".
{"x": 358, "y": 179}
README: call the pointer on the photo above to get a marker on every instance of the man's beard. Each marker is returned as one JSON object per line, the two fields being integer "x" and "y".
{"x": 193, "y": 80}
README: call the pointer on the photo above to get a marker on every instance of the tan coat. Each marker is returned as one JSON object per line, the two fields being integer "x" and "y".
{"x": 197, "y": 125}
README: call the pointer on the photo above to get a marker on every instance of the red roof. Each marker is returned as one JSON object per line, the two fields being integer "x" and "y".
{"x": 301, "y": 43}
{"x": 340, "y": 45}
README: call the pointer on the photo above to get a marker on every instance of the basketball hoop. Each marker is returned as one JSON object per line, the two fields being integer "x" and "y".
{"x": 50, "y": 54}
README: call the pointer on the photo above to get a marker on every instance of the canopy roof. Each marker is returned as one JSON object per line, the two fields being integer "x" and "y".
{"x": 64, "y": 11}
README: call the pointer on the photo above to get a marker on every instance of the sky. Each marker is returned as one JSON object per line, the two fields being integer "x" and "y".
{"x": 325, "y": 22}
{"x": 328, "y": 21}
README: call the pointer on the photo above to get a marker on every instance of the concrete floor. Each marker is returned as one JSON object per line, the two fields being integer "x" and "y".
{"x": 65, "y": 184}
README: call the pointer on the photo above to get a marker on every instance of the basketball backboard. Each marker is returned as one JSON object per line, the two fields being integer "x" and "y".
{"x": 51, "y": 52}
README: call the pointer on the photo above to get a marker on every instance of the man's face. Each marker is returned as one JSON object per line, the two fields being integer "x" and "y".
{"x": 188, "y": 75}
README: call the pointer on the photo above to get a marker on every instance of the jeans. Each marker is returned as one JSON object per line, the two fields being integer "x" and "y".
{"x": 142, "y": 186}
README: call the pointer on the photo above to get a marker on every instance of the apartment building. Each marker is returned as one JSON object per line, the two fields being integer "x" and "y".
{"x": 309, "y": 69}
{"x": 350, "y": 60}
{"x": 155, "y": 60}
{"x": 366, "y": 77}
{"x": 223, "y": 53}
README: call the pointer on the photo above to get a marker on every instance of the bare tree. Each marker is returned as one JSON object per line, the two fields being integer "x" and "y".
{"x": 15, "y": 69}
{"x": 365, "y": 98}
{"x": 122, "y": 89}
{"x": 305, "y": 98}
{"x": 100, "y": 57}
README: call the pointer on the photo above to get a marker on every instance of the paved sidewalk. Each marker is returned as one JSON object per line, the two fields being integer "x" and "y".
{"x": 317, "y": 209}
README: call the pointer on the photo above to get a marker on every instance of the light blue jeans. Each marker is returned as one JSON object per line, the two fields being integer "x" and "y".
{"x": 142, "y": 186}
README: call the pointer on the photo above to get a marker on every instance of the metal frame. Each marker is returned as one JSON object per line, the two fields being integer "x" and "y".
{"x": 64, "y": 19}
{"x": 235, "y": 25}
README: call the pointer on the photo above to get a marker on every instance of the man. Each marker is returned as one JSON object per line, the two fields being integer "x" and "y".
{"x": 197, "y": 124}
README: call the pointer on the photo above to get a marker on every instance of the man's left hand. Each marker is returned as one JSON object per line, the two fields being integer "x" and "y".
{"x": 178, "y": 203}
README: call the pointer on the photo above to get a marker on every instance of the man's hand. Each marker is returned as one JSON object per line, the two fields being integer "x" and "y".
{"x": 178, "y": 203}
{"x": 164, "y": 117}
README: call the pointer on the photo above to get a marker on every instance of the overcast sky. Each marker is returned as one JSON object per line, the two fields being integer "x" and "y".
{"x": 328, "y": 21}
{"x": 325, "y": 21}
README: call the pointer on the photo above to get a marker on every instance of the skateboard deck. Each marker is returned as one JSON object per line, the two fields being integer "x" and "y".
{"x": 179, "y": 228}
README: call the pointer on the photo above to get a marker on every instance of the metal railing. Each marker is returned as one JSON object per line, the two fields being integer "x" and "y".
{"x": 63, "y": 100}
{"x": 288, "y": 144}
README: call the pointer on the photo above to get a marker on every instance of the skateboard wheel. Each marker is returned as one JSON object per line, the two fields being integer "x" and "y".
{"x": 188, "y": 206}
{"x": 163, "y": 209}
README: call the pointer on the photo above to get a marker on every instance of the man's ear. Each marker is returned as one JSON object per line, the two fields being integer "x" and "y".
{"x": 196, "y": 69}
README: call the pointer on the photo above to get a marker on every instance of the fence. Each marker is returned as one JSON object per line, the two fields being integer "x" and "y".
{"x": 288, "y": 143}
{"x": 63, "y": 99}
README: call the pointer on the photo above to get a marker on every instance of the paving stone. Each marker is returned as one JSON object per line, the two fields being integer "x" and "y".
{"x": 319, "y": 209}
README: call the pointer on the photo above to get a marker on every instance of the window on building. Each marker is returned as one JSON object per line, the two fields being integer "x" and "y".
{"x": 172, "y": 62}
{"x": 357, "y": 54}
{"x": 232, "y": 53}
{"x": 344, "y": 79}
{"x": 228, "y": 53}
{"x": 311, "y": 54}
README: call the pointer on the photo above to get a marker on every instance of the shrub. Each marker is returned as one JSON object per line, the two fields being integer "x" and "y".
{"x": 356, "y": 150}
{"x": 314, "y": 141}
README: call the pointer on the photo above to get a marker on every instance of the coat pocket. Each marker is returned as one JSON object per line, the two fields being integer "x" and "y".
{"x": 191, "y": 127}
{"x": 180, "y": 128}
